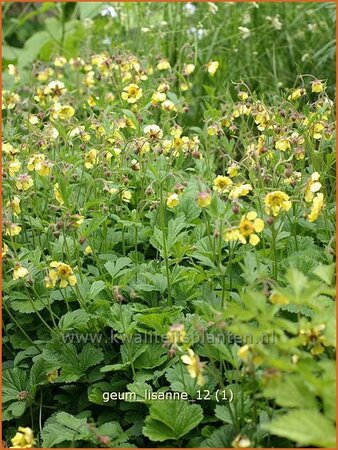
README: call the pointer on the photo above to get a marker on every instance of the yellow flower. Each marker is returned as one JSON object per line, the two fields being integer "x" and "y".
{"x": 317, "y": 206}
{"x": 13, "y": 229}
{"x": 317, "y": 129}
{"x": 57, "y": 194}
{"x": 39, "y": 163}
{"x": 283, "y": 144}
{"x": 185, "y": 86}
{"x": 77, "y": 220}
{"x": 153, "y": 132}
{"x": 12, "y": 70}
{"x": 158, "y": 97}
{"x": 248, "y": 353}
{"x": 4, "y": 250}
{"x": 173, "y": 200}
{"x": 233, "y": 234}
{"x": 61, "y": 273}
{"x": 222, "y": 184}
{"x": 19, "y": 272}
{"x": 262, "y": 120}
{"x": 296, "y": 94}
{"x": 81, "y": 132}
{"x": 9, "y": 149}
{"x": 24, "y": 182}
{"x": 14, "y": 204}
{"x": 13, "y": 167}
{"x": 317, "y": 86}
{"x": 23, "y": 438}
{"x": 242, "y": 95}
{"x": 163, "y": 65}
{"x": 168, "y": 105}
{"x": 10, "y": 99}
{"x": 33, "y": 119}
{"x": 52, "y": 376}
{"x": 194, "y": 366}
{"x": 163, "y": 87}
{"x": 43, "y": 168}
{"x": 275, "y": 202}
{"x": 62, "y": 112}
{"x": 241, "y": 110}
{"x": 43, "y": 75}
{"x": 314, "y": 338}
{"x": 213, "y": 129}
{"x": 34, "y": 160}
{"x": 126, "y": 196}
{"x": 243, "y": 352}
{"x": 188, "y": 69}
{"x": 312, "y": 186}
{"x": 249, "y": 226}
{"x": 131, "y": 93}
{"x": 278, "y": 299}
{"x": 203, "y": 199}
{"x": 240, "y": 191}
{"x": 91, "y": 158}
{"x": 60, "y": 61}
{"x": 241, "y": 441}
{"x": 55, "y": 88}
{"x": 233, "y": 170}
{"x": 88, "y": 250}
{"x": 212, "y": 67}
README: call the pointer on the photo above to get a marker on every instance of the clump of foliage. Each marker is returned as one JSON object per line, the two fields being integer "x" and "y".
{"x": 166, "y": 230}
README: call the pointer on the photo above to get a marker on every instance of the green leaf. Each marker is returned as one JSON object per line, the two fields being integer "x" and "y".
{"x": 74, "y": 320}
{"x": 292, "y": 392}
{"x": 89, "y": 10}
{"x": 180, "y": 380}
{"x": 87, "y": 229}
{"x": 139, "y": 388}
{"x": 220, "y": 438}
{"x": 96, "y": 288}
{"x": 64, "y": 427}
{"x": 325, "y": 273}
{"x": 171, "y": 420}
{"x": 14, "y": 381}
{"x": 306, "y": 427}
{"x": 38, "y": 373}
{"x": 73, "y": 364}
{"x": 115, "y": 268}
{"x": 20, "y": 302}
{"x": 153, "y": 356}
{"x": 115, "y": 433}
{"x": 297, "y": 280}
{"x": 158, "y": 319}
{"x": 120, "y": 318}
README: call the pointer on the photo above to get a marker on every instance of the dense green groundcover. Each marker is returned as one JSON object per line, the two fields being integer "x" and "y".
{"x": 168, "y": 225}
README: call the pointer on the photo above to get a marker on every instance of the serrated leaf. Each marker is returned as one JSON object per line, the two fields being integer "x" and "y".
{"x": 14, "y": 381}
{"x": 73, "y": 320}
{"x": 180, "y": 380}
{"x": 325, "y": 273}
{"x": 114, "y": 268}
{"x": 171, "y": 420}
{"x": 96, "y": 288}
{"x": 64, "y": 428}
{"x": 153, "y": 356}
{"x": 304, "y": 426}
{"x": 220, "y": 438}
{"x": 292, "y": 392}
